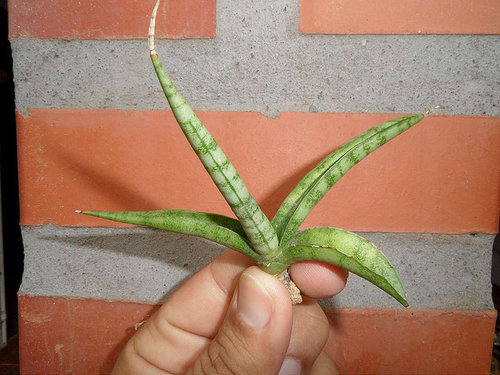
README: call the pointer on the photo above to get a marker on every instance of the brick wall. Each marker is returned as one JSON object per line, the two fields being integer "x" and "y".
{"x": 94, "y": 133}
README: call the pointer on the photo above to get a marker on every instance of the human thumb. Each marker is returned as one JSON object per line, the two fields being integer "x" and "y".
{"x": 255, "y": 335}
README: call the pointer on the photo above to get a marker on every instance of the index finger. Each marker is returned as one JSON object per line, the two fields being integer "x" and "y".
{"x": 178, "y": 332}
{"x": 318, "y": 280}
{"x": 200, "y": 304}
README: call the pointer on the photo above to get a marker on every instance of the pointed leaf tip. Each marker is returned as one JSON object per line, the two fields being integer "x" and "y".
{"x": 257, "y": 226}
{"x": 351, "y": 252}
{"x": 217, "y": 228}
{"x": 313, "y": 187}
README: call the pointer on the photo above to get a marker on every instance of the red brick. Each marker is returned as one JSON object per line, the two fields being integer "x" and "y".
{"x": 440, "y": 176}
{"x": 110, "y": 19}
{"x": 84, "y": 337}
{"x": 399, "y": 17}
{"x": 74, "y": 336}
{"x": 411, "y": 342}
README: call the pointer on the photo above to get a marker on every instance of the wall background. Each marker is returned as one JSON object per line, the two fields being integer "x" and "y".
{"x": 282, "y": 81}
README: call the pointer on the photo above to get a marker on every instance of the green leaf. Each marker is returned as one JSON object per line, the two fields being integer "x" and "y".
{"x": 216, "y": 228}
{"x": 313, "y": 187}
{"x": 256, "y": 225}
{"x": 349, "y": 251}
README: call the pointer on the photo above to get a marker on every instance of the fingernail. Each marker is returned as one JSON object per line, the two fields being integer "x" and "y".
{"x": 253, "y": 303}
{"x": 290, "y": 366}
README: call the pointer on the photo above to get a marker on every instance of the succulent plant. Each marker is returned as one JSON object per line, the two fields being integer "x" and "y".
{"x": 274, "y": 245}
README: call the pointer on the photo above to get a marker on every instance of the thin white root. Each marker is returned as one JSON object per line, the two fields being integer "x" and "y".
{"x": 430, "y": 111}
{"x": 294, "y": 291}
{"x": 151, "y": 33}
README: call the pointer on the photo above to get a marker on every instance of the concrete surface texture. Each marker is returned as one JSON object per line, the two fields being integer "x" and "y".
{"x": 439, "y": 271}
{"x": 259, "y": 62}
{"x": 267, "y": 74}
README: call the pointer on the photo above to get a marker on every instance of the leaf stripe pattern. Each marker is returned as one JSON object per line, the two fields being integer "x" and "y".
{"x": 313, "y": 187}
{"x": 349, "y": 251}
{"x": 217, "y": 228}
{"x": 255, "y": 223}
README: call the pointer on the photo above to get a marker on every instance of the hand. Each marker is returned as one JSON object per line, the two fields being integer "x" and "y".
{"x": 230, "y": 319}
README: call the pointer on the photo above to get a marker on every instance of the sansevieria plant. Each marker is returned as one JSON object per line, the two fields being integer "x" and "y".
{"x": 275, "y": 244}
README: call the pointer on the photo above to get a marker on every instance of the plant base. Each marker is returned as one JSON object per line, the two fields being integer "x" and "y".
{"x": 295, "y": 296}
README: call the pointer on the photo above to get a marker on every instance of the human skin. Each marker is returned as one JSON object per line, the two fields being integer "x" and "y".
{"x": 233, "y": 318}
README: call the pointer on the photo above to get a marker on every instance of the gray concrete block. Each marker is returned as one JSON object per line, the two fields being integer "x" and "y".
{"x": 450, "y": 272}
{"x": 260, "y": 62}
